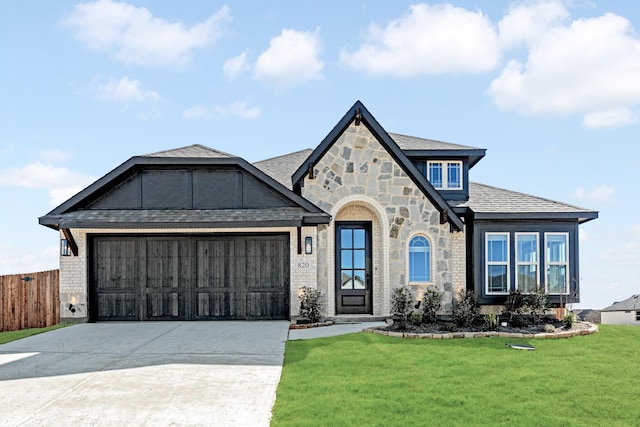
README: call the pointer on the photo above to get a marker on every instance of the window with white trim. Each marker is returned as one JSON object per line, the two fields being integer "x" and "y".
{"x": 497, "y": 263}
{"x": 419, "y": 260}
{"x": 445, "y": 174}
{"x": 527, "y": 272}
{"x": 557, "y": 262}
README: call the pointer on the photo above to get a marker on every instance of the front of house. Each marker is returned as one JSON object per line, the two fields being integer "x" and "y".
{"x": 196, "y": 234}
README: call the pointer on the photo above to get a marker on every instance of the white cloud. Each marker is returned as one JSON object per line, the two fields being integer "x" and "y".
{"x": 527, "y": 23}
{"x": 598, "y": 194}
{"x": 589, "y": 66}
{"x": 429, "y": 40}
{"x": 234, "y": 66}
{"x": 132, "y": 35}
{"x": 627, "y": 254}
{"x": 584, "y": 236}
{"x": 124, "y": 90}
{"x": 290, "y": 60}
{"x": 16, "y": 259}
{"x": 237, "y": 109}
{"x": 615, "y": 117}
{"x": 60, "y": 182}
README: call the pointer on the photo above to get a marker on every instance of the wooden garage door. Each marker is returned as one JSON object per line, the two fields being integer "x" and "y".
{"x": 189, "y": 277}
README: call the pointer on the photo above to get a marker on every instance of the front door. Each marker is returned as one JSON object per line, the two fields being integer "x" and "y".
{"x": 353, "y": 268}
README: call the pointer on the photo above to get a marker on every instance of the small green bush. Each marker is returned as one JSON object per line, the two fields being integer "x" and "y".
{"x": 514, "y": 308}
{"x": 416, "y": 317}
{"x": 401, "y": 305}
{"x": 568, "y": 320}
{"x": 310, "y": 304}
{"x": 465, "y": 308}
{"x": 537, "y": 303}
{"x": 431, "y": 303}
{"x": 491, "y": 321}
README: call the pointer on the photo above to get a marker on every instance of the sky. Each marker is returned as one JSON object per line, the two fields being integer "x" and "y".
{"x": 550, "y": 88}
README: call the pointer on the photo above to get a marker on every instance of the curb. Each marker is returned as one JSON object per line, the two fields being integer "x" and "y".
{"x": 561, "y": 334}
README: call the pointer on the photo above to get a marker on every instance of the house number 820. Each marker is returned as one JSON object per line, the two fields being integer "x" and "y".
{"x": 303, "y": 265}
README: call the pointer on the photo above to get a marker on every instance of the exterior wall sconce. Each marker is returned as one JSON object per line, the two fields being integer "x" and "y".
{"x": 65, "y": 250}
{"x": 308, "y": 245}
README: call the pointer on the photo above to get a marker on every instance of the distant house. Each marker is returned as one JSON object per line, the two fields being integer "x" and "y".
{"x": 625, "y": 312}
{"x": 588, "y": 315}
{"x": 194, "y": 233}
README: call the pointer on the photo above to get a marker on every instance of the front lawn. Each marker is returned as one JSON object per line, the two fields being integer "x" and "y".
{"x": 9, "y": 336}
{"x": 372, "y": 380}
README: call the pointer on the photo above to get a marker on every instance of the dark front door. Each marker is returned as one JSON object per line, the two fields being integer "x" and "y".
{"x": 353, "y": 268}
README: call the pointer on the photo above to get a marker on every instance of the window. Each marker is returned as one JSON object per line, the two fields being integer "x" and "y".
{"x": 527, "y": 279}
{"x": 445, "y": 175}
{"x": 497, "y": 259}
{"x": 637, "y": 316}
{"x": 419, "y": 260}
{"x": 557, "y": 262}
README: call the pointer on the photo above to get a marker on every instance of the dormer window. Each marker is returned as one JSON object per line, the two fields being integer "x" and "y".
{"x": 445, "y": 174}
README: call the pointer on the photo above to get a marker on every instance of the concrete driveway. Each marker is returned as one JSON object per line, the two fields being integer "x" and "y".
{"x": 144, "y": 374}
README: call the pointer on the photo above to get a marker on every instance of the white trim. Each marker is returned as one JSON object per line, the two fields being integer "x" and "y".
{"x": 408, "y": 259}
{"x": 445, "y": 173}
{"x": 536, "y": 263}
{"x": 487, "y": 263}
{"x": 547, "y": 263}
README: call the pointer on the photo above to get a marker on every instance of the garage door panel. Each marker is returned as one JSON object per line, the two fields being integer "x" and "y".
{"x": 190, "y": 277}
{"x": 219, "y": 305}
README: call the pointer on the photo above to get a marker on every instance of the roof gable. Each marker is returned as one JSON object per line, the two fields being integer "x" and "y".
{"x": 361, "y": 116}
{"x": 191, "y": 151}
{"x": 169, "y": 181}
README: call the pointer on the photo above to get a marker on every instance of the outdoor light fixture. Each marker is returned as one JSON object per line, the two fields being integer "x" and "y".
{"x": 65, "y": 250}
{"x": 308, "y": 245}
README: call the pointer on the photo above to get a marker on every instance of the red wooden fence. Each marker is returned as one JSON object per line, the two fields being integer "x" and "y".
{"x": 29, "y": 300}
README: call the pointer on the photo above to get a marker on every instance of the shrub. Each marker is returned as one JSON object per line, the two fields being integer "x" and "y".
{"x": 310, "y": 304}
{"x": 416, "y": 317}
{"x": 568, "y": 320}
{"x": 549, "y": 328}
{"x": 401, "y": 305}
{"x": 431, "y": 303}
{"x": 491, "y": 321}
{"x": 465, "y": 309}
{"x": 514, "y": 308}
{"x": 537, "y": 303}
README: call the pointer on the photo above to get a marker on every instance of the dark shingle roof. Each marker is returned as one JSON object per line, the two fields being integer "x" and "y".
{"x": 176, "y": 218}
{"x": 485, "y": 199}
{"x": 406, "y": 142}
{"x": 281, "y": 168}
{"x": 632, "y": 303}
{"x": 191, "y": 151}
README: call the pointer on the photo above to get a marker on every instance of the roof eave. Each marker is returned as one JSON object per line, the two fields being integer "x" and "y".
{"x": 581, "y": 217}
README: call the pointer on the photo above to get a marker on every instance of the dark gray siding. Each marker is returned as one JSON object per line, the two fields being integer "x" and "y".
{"x": 195, "y": 188}
{"x": 480, "y": 228}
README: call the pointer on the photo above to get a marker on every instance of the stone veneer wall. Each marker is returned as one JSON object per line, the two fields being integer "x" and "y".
{"x": 357, "y": 179}
{"x": 74, "y": 269}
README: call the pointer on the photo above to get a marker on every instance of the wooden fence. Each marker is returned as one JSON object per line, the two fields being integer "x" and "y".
{"x": 29, "y": 300}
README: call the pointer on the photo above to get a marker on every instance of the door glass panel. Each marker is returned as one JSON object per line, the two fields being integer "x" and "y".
{"x": 346, "y": 258}
{"x": 359, "y": 279}
{"x": 358, "y": 259}
{"x": 345, "y": 238}
{"x": 358, "y": 237}
{"x": 347, "y": 279}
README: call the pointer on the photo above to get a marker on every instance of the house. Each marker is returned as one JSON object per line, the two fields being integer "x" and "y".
{"x": 625, "y": 312}
{"x": 195, "y": 233}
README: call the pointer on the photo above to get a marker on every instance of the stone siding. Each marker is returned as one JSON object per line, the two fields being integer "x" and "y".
{"x": 357, "y": 179}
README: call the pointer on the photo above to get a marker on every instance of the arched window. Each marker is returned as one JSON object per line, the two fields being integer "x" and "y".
{"x": 419, "y": 260}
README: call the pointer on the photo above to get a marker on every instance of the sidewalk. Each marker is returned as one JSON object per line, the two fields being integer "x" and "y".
{"x": 329, "y": 331}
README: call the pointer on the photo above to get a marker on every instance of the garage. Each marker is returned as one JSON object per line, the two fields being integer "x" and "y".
{"x": 189, "y": 277}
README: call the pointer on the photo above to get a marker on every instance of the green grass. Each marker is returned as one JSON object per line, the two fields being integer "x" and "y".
{"x": 373, "y": 380}
{"x": 9, "y": 336}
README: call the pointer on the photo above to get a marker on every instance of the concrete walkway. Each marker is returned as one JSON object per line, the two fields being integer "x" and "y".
{"x": 328, "y": 331}
{"x": 144, "y": 374}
